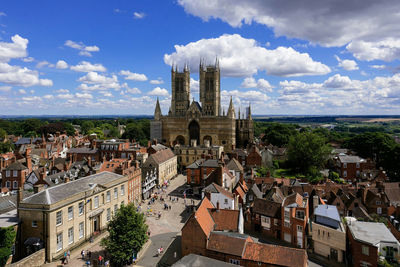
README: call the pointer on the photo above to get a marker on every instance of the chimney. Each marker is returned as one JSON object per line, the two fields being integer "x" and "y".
{"x": 241, "y": 179}
{"x": 315, "y": 201}
{"x": 38, "y": 188}
{"x": 57, "y": 134}
{"x": 19, "y": 199}
{"x": 28, "y": 159}
{"x": 44, "y": 173}
{"x": 217, "y": 205}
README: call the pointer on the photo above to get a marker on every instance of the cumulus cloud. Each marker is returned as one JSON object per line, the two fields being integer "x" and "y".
{"x": 28, "y": 59}
{"x": 158, "y": 92}
{"x": 84, "y": 50}
{"x": 94, "y": 81}
{"x": 84, "y": 95}
{"x": 62, "y": 91}
{"x": 15, "y": 49}
{"x": 65, "y": 96}
{"x": 85, "y": 66}
{"x": 241, "y": 57}
{"x": 22, "y": 91}
{"x": 139, "y": 15}
{"x": 379, "y": 67}
{"x": 19, "y": 76}
{"x": 61, "y": 64}
{"x": 5, "y": 88}
{"x": 194, "y": 85}
{"x": 261, "y": 84}
{"x": 42, "y": 64}
{"x": 2, "y": 14}
{"x": 133, "y": 76}
{"x": 387, "y": 50}
{"x": 133, "y": 91}
{"x": 332, "y": 23}
{"x": 158, "y": 81}
{"x": 347, "y": 64}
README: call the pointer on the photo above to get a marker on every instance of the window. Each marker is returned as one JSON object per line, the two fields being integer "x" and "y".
{"x": 7, "y": 173}
{"x": 115, "y": 192}
{"x": 115, "y": 208}
{"x": 234, "y": 261}
{"x": 299, "y": 228}
{"x": 96, "y": 202}
{"x": 344, "y": 173}
{"x": 266, "y": 222}
{"x": 358, "y": 165}
{"x": 345, "y": 165}
{"x": 15, "y": 184}
{"x": 15, "y": 173}
{"x": 379, "y": 210}
{"x": 71, "y": 235}
{"x": 59, "y": 242}
{"x": 59, "y": 217}
{"x": 34, "y": 223}
{"x": 108, "y": 214}
{"x": 122, "y": 190}
{"x": 300, "y": 214}
{"x": 70, "y": 213}
{"x": 108, "y": 196}
{"x": 378, "y": 202}
{"x": 365, "y": 250}
{"x": 226, "y": 201}
{"x": 8, "y": 184}
{"x": 81, "y": 231}
{"x": 80, "y": 206}
{"x": 250, "y": 197}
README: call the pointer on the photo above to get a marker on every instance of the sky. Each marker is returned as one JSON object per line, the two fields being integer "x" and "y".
{"x": 98, "y": 57}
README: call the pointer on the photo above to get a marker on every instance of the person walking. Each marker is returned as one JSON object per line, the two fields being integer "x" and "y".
{"x": 83, "y": 254}
{"x": 100, "y": 260}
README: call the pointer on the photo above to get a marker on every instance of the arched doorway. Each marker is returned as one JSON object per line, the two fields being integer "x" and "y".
{"x": 194, "y": 131}
{"x": 208, "y": 139}
{"x": 180, "y": 140}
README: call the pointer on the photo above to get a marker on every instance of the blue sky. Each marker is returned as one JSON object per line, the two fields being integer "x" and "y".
{"x": 284, "y": 57}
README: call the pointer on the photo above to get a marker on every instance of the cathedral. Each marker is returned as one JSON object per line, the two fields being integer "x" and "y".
{"x": 192, "y": 123}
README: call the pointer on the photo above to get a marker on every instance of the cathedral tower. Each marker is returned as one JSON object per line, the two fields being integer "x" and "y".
{"x": 210, "y": 91}
{"x": 180, "y": 84}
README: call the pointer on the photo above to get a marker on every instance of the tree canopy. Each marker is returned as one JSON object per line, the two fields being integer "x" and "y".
{"x": 278, "y": 134}
{"x": 127, "y": 235}
{"x": 7, "y": 239}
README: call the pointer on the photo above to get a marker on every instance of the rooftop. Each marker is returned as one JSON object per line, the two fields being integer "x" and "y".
{"x": 9, "y": 218}
{"x": 371, "y": 232}
{"x": 328, "y": 211}
{"x": 350, "y": 159}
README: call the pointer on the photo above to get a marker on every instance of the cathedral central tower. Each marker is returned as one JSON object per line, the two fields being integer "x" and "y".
{"x": 210, "y": 90}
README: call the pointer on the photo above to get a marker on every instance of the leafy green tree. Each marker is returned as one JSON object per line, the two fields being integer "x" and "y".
{"x": 7, "y": 239}
{"x": 3, "y": 133}
{"x": 6, "y": 147}
{"x": 127, "y": 235}
{"x": 307, "y": 153}
{"x": 69, "y": 129}
{"x": 279, "y": 134}
{"x": 138, "y": 130}
{"x": 98, "y": 132}
{"x": 86, "y": 126}
{"x": 31, "y": 125}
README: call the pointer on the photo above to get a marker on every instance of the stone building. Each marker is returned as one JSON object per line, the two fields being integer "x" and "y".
{"x": 190, "y": 122}
{"x": 64, "y": 216}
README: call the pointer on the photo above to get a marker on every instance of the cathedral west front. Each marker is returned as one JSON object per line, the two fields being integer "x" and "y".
{"x": 192, "y": 123}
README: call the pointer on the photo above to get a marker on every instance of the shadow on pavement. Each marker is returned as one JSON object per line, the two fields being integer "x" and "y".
{"x": 173, "y": 253}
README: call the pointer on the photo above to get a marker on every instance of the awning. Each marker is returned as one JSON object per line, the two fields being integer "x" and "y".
{"x": 95, "y": 213}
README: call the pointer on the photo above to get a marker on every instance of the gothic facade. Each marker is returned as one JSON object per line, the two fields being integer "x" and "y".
{"x": 193, "y": 123}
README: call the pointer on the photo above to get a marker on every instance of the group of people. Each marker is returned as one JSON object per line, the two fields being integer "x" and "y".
{"x": 65, "y": 259}
{"x": 87, "y": 256}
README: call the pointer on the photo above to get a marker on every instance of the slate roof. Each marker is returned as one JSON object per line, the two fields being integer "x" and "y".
{"x": 196, "y": 164}
{"x": 27, "y": 140}
{"x": 275, "y": 255}
{"x": 16, "y": 166}
{"x": 233, "y": 164}
{"x": 60, "y": 192}
{"x": 371, "y": 232}
{"x": 256, "y": 191}
{"x": 328, "y": 211}
{"x": 211, "y": 163}
{"x": 162, "y": 156}
{"x": 349, "y": 159}
{"x": 83, "y": 150}
{"x": 214, "y": 188}
{"x": 267, "y": 208}
{"x": 9, "y": 218}
{"x": 158, "y": 147}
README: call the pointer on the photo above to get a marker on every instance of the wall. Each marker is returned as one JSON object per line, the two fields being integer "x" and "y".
{"x": 356, "y": 252}
{"x": 218, "y": 197}
{"x": 324, "y": 241}
{"x": 34, "y": 260}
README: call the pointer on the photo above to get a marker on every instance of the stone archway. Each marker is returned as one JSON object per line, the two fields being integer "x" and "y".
{"x": 194, "y": 131}
{"x": 180, "y": 140}
{"x": 207, "y": 138}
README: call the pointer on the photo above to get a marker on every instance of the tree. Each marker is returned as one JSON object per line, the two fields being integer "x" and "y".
{"x": 86, "y": 126}
{"x": 6, "y": 147}
{"x": 31, "y": 125}
{"x": 3, "y": 134}
{"x": 279, "y": 134}
{"x": 7, "y": 239}
{"x": 127, "y": 235}
{"x": 307, "y": 153}
{"x": 69, "y": 129}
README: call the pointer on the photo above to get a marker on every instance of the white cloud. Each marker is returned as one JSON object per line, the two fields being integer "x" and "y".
{"x": 48, "y": 96}
{"x": 84, "y": 95}
{"x": 94, "y": 81}
{"x": 32, "y": 91}
{"x": 62, "y": 91}
{"x": 16, "y": 49}
{"x": 194, "y": 85}
{"x": 84, "y": 50}
{"x": 5, "y": 88}
{"x": 241, "y": 57}
{"x": 379, "y": 67}
{"x": 19, "y": 76}
{"x": 61, "y": 64}
{"x": 22, "y": 91}
{"x": 65, "y": 96}
{"x": 347, "y": 64}
{"x": 131, "y": 90}
{"x": 261, "y": 84}
{"x": 85, "y": 66}
{"x": 133, "y": 76}
{"x": 387, "y": 49}
{"x": 106, "y": 93}
{"x": 42, "y": 64}
{"x": 32, "y": 98}
{"x": 28, "y": 59}
{"x": 158, "y": 81}
{"x": 139, "y": 15}
{"x": 158, "y": 92}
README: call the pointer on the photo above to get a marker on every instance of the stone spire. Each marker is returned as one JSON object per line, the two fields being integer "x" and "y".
{"x": 231, "y": 110}
{"x": 157, "y": 111}
{"x": 239, "y": 114}
{"x": 249, "y": 115}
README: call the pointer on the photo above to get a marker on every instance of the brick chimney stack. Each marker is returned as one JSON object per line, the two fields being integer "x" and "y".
{"x": 28, "y": 159}
{"x": 19, "y": 199}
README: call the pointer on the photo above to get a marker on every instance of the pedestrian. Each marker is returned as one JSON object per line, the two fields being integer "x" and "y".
{"x": 90, "y": 255}
{"x": 65, "y": 257}
{"x": 107, "y": 263}
{"x": 69, "y": 254}
{"x": 100, "y": 260}
{"x": 88, "y": 262}
{"x": 169, "y": 207}
{"x": 83, "y": 254}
